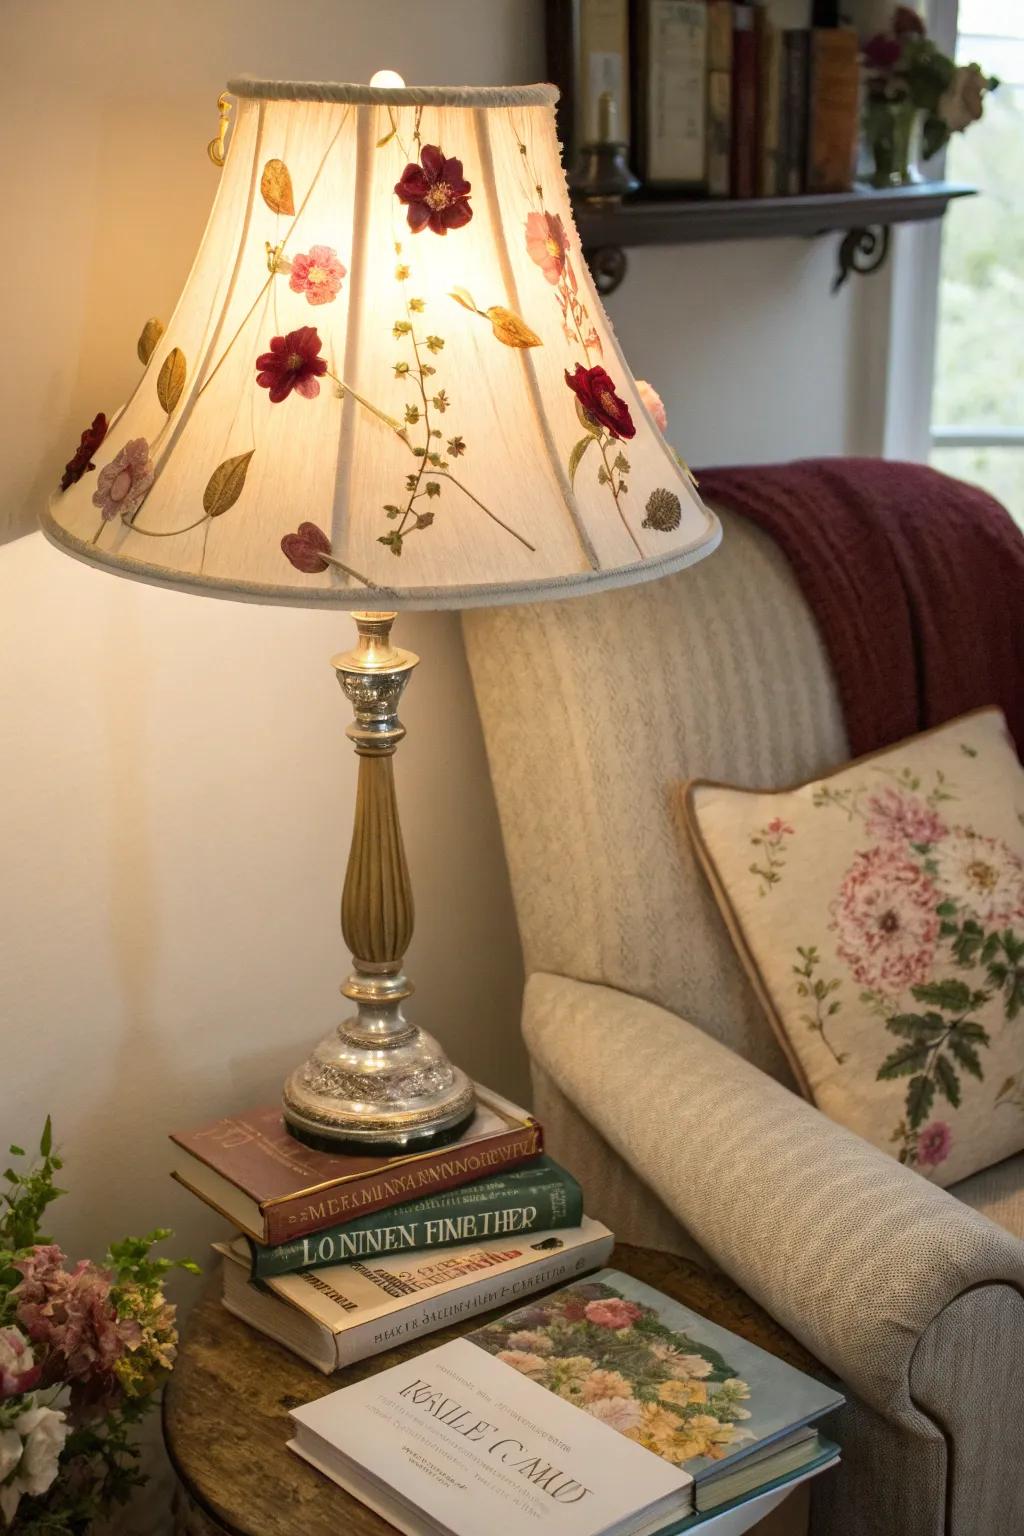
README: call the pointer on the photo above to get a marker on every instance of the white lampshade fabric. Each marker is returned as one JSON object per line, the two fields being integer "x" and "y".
{"x": 389, "y": 381}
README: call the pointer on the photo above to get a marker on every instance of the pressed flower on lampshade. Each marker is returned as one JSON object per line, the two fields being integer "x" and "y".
{"x": 293, "y": 362}
{"x": 435, "y": 192}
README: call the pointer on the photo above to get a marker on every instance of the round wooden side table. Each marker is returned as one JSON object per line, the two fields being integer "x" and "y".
{"x": 226, "y": 1423}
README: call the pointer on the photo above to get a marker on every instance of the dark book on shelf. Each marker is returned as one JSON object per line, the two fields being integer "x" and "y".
{"x": 796, "y": 49}
{"x": 719, "y": 98}
{"x": 669, "y": 48}
{"x": 743, "y": 180}
{"x": 833, "y": 109}
{"x": 769, "y": 103}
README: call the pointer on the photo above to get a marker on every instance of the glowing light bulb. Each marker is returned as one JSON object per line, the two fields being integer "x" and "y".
{"x": 388, "y": 78}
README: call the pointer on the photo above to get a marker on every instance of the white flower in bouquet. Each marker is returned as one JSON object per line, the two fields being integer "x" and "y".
{"x": 30, "y": 1455}
{"x": 963, "y": 102}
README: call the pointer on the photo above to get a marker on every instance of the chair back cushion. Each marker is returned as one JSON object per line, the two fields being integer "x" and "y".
{"x": 593, "y": 709}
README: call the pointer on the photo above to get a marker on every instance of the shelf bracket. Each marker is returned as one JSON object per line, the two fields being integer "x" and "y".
{"x": 607, "y": 265}
{"x": 861, "y": 250}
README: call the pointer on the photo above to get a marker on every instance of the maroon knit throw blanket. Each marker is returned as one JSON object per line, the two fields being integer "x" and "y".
{"x": 916, "y": 582}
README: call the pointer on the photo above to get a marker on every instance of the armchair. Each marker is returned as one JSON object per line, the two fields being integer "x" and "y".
{"x": 659, "y": 1080}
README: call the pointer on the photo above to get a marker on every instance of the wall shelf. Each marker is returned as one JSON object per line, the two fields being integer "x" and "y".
{"x": 863, "y": 215}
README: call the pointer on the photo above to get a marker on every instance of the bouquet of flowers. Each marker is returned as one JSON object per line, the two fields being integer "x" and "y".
{"x": 82, "y": 1352}
{"x": 905, "y": 70}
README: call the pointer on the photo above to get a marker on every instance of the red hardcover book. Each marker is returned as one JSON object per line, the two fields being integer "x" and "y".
{"x": 250, "y": 1169}
{"x": 743, "y": 179}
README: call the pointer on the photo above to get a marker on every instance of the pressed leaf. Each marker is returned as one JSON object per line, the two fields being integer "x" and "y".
{"x": 465, "y": 298}
{"x": 276, "y": 187}
{"x": 225, "y": 484}
{"x": 171, "y": 379}
{"x": 510, "y": 329}
{"x": 577, "y": 453}
{"x": 146, "y": 344}
{"x": 919, "y": 1100}
{"x": 947, "y": 1080}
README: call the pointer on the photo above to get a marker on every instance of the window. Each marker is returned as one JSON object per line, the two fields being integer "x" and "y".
{"x": 977, "y": 417}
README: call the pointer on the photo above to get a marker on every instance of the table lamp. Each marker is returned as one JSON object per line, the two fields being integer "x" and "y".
{"x": 388, "y": 384}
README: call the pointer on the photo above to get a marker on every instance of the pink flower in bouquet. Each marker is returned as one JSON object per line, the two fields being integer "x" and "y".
{"x": 18, "y": 1370}
{"x": 885, "y": 920}
{"x": 70, "y": 1314}
{"x": 653, "y": 404}
{"x": 895, "y": 816}
{"x": 934, "y": 1143}
{"x": 882, "y": 51}
{"x": 613, "y": 1313}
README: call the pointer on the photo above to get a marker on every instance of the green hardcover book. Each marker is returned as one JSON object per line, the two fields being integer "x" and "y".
{"x": 538, "y": 1198}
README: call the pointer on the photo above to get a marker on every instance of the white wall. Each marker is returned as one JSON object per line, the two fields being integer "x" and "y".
{"x": 175, "y": 785}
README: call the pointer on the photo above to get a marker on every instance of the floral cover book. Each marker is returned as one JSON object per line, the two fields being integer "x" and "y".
{"x": 655, "y": 1371}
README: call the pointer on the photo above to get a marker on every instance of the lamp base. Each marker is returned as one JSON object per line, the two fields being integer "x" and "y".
{"x": 359, "y": 1096}
{"x": 378, "y": 1083}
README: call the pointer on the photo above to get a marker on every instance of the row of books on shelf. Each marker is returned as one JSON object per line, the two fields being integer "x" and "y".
{"x": 599, "y": 1406}
{"x": 726, "y": 102}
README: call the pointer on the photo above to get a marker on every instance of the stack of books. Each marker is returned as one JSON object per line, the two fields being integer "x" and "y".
{"x": 340, "y": 1256}
{"x": 602, "y": 1409}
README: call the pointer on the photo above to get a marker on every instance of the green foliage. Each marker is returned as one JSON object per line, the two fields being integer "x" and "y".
{"x": 23, "y": 1203}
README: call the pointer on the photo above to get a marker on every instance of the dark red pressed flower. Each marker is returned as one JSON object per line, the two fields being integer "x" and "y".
{"x": 907, "y": 20}
{"x": 436, "y": 192}
{"x": 81, "y": 459}
{"x": 596, "y": 393}
{"x": 292, "y": 363}
{"x": 306, "y": 549}
{"x": 882, "y": 51}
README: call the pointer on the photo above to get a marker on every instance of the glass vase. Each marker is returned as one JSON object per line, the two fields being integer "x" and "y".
{"x": 893, "y": 131}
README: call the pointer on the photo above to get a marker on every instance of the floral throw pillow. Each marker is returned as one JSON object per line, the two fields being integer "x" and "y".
{"x": 880, "y": 915}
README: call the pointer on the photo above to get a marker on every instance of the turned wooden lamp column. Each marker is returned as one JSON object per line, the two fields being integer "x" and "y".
{"x": 377, "y": 1071}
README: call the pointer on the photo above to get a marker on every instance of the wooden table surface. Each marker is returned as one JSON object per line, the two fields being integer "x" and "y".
{"x": 226, "y": 1407}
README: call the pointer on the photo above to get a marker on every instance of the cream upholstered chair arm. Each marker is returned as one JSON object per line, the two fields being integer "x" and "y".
{"x": 855, "y": 1255}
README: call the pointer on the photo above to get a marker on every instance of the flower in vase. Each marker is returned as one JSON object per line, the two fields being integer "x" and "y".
{"x": 963, "y": 102}
{"x": 30, "y": 1456}
{"x": 596, "y": 394}
{"x": 883, "y": 51}
{"x": 906, "y": 21}
{"x": 18, "y": 1370}
{"x": 435, "y": 192}
{"x": 293, "y": 362}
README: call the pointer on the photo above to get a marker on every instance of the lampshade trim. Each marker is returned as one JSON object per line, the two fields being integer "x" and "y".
{"x": 358, "y": 597}
{"x": 393, "y": 96}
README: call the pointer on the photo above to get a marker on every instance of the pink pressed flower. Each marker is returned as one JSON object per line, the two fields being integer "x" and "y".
{"x": 547, "y": 243}
{"x": 653, "y": 404}
{"x": 317, "y": 273}
{"x": 18, "y": 1370}
{"x": 122, "y": 484}
{"x": 306, "y": 549}
{"x": 885, "y": 920}
{"x": 613, "y": 1313}
{"x": 934, "y": 1143}
{"x": 895, "y": 816}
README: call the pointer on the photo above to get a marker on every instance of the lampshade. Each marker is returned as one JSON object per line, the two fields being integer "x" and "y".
{"x": 389, "y": 381}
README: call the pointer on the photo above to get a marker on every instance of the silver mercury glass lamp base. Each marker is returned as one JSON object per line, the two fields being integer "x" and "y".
{"x": 377, "y": 1082}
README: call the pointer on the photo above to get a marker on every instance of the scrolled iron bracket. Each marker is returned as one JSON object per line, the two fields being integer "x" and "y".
{"x": 607, "y": 265}
{"x": 861, "y": 250}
